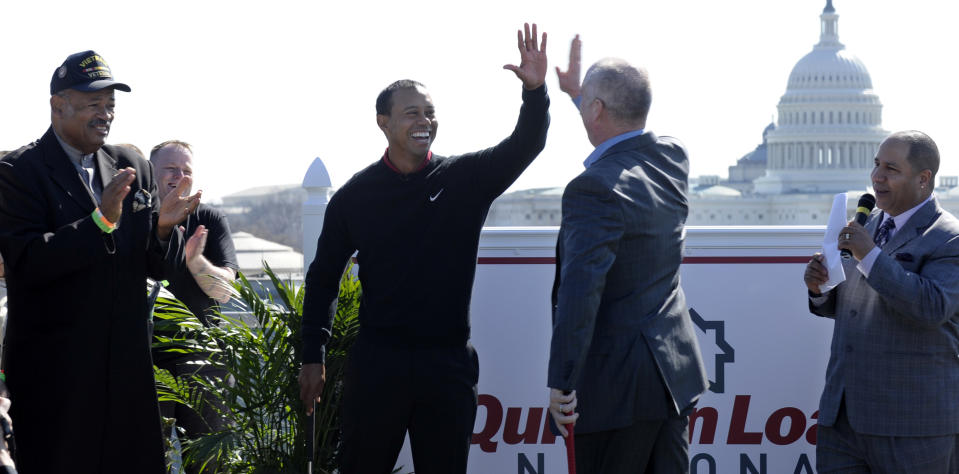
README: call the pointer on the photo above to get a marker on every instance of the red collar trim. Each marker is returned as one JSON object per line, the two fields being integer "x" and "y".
{"x": 386, "y": 159}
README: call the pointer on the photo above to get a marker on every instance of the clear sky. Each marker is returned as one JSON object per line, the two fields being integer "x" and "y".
{"x": 261, "y": 88}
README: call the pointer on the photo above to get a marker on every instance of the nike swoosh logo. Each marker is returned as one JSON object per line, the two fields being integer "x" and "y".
{"x": 434, "y": 196}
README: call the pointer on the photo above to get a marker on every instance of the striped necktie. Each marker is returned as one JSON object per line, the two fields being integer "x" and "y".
{"x": 885, "y": 231}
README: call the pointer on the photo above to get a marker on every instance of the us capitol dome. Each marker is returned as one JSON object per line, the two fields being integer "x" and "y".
{"x": 829, "y": 123}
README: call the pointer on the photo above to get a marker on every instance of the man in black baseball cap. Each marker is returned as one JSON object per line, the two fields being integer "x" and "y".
{"x": 82, "y": 101}
{"x": 80, "y": 232}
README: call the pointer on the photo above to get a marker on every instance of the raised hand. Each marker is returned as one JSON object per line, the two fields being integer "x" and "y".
{"x": 569, "y": 80}
{"x": 532, "y": 66}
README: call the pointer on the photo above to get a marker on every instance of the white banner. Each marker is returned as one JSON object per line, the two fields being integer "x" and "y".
{"x": 765, "y": 353}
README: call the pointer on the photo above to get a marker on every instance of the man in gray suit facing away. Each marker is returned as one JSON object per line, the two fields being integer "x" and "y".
{"x": 891, "y": 399}
{"x": 623, "y": 344}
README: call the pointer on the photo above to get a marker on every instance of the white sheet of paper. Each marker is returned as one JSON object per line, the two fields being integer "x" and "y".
{"x": 830, "y": 243}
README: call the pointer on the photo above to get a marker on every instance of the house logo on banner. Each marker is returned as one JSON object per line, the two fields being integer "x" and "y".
{"x": 722, "y": 352}
{"x": 748, "y": 425}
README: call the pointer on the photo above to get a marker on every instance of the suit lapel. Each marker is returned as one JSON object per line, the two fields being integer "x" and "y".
{"x": 107, "y": 166}
{"x": 915, "y": 226}
{"x": 64, "y": 174}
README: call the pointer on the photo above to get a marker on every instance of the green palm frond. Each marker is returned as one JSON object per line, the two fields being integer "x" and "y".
{"x": 266, "y": 432}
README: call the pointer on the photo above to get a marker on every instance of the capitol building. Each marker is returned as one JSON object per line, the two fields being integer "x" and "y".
{"x": 827, "y": 132}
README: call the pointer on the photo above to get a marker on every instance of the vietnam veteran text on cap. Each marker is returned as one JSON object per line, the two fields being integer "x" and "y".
{"x": 86, "y": 72}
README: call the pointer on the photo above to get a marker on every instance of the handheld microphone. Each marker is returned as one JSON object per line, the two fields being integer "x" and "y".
{"x": 866, "y": 203}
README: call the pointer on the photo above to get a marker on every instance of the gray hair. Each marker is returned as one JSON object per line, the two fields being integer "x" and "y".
{"x": 624, "y": 89}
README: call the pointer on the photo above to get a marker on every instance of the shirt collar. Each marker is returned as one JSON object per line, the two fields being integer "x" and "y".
{"x": 606, "y": 145}
{"x": 901, "y": 219}
{"x": 76, "y": 157}
{"x": 390, "y": 165}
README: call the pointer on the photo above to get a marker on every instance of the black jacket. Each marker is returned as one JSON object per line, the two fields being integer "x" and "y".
{"x": 78, "y": 362}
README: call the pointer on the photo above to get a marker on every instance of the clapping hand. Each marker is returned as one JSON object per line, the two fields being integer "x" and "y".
{"x": 175, "y": 207}
{"x": 195, "y": 244}
{"x": 111, "y": 200}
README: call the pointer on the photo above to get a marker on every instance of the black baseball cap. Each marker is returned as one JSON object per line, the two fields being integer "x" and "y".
{"x": 85, "y": 72}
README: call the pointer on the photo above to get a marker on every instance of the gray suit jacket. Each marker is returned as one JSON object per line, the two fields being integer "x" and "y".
{"x": 622, "y": 336}
{"x": 895, "y": 345}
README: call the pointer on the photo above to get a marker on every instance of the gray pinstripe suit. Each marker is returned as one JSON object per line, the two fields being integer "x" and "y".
{"x": 895, "y": 346}
{"x": 620, "y": 324}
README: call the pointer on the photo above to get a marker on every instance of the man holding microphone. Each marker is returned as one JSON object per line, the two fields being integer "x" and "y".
{"x": 891, "y": 398}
